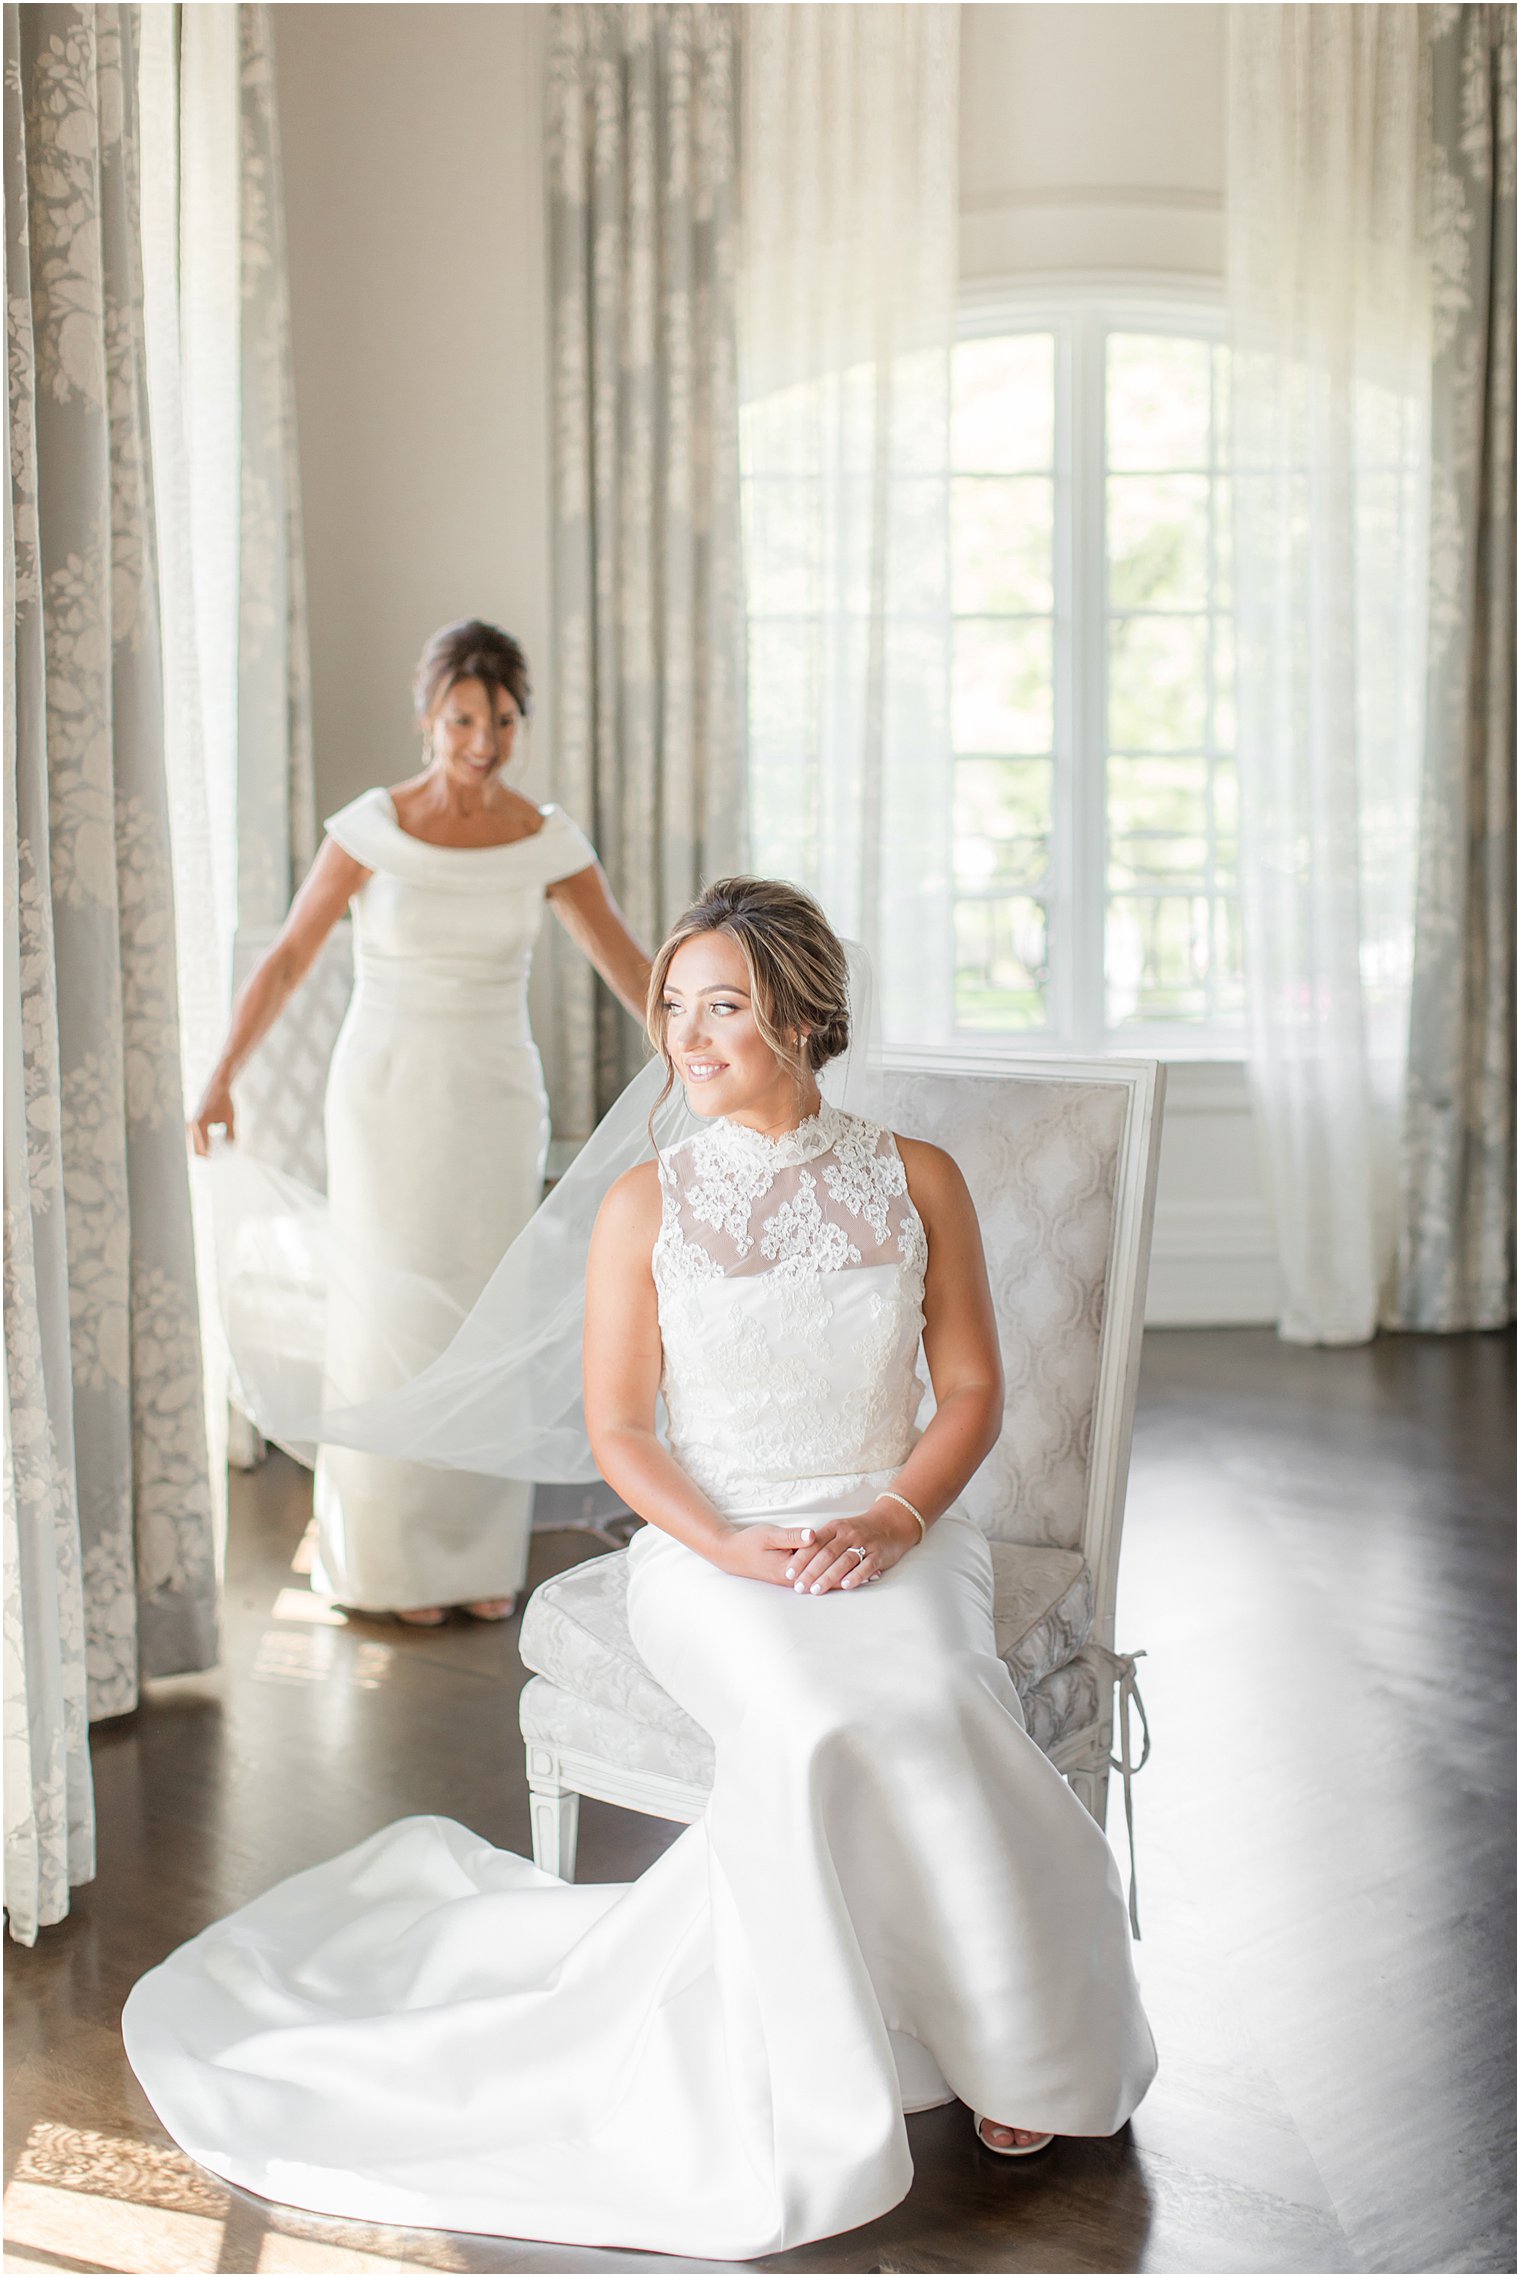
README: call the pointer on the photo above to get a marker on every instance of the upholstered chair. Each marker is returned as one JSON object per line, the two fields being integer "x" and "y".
{"x": 1060, "y": 1158}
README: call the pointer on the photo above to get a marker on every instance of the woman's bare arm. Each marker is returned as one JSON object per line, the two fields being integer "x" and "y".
{"x": 960, "y": 1335}
{"x": 326, "y": 891}
{"x": 622, "y": 1355}
{"x": 584, "y": 905}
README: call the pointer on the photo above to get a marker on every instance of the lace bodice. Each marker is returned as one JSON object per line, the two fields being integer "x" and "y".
{"x": 790, "y": 1276}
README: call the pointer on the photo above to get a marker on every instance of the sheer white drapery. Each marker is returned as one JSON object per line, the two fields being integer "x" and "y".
{"x": 238, "y": 440}
{"x": 237, "y": 695}
{"x": 1329, "y": 287}
{"x": 846, "y": 321}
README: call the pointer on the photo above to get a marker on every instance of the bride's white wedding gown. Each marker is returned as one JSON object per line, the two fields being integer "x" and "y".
{"x": 893, "y": 1896}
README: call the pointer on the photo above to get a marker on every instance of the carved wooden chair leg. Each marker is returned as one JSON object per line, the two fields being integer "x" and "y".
{"x": 555, "y": 1815}
{"x": 1091, "y": 1790}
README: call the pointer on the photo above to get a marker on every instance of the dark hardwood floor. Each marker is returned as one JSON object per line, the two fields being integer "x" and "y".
{"x": 1319, "y": 1562}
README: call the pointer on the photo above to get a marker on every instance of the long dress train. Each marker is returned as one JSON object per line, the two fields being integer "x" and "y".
{"x": 893, "y": 1896}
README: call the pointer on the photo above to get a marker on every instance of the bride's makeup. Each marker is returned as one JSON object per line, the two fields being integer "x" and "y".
{"x": 714, "y": 1041}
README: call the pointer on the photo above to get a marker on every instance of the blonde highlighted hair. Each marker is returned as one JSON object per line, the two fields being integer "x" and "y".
{"x": 798, "y": 975}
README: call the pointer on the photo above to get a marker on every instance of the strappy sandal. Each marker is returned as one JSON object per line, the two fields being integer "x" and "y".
{"x": 1010, "y": 2150}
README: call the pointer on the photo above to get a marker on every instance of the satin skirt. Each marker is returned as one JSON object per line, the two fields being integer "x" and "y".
{"x": 437, "y": 1132}
{"x": 893, "y": 1898}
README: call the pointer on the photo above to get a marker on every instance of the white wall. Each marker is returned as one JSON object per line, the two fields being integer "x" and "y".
{"x": 413, "y": 160}
{"x": 1092, "y": 137}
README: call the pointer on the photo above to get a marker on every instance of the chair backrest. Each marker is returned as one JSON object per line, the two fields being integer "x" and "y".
{"x": 282, "y": 1090}
{"x": 1060, "y": 1157}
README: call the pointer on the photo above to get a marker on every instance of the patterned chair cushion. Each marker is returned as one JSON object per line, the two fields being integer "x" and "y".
{"x": 676, "y": 1748}
{"x": 1065, "y": 1701}
{"x": 575, "y": 1632}
{"x": 1042, "y": 1609}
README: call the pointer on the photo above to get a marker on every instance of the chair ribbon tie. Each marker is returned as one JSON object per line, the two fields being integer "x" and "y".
{"x": 1120, "y": 1669}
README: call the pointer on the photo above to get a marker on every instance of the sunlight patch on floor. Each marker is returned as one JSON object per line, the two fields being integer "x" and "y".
{"x": 111, "y": 2232}
{"x": 83, "y": 2200}
{"x": 312, "y": 1656}
{"x": 306, "y": 1605}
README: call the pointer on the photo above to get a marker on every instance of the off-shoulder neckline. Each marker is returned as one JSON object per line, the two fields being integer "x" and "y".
{"x": 502, "y": 845}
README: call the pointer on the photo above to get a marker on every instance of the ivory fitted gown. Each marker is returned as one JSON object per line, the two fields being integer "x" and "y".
{"x": 893, "y": 1896}
{"x": 437, "y": 1131}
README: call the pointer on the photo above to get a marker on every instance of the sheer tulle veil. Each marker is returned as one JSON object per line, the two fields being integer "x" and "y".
{"x": 504, "y": 1397}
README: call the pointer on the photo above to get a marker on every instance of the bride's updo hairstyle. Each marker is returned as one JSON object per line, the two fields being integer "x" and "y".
{"x": 472, "y": 650}
{"x": 799, "y": 978}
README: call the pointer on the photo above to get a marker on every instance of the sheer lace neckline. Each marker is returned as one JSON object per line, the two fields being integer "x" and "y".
{"x": 813, "y": 1136}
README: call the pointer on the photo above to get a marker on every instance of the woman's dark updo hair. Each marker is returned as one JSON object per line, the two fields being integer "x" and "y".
{"x": 473, "y": 650}
{"x": 799, "y": 974}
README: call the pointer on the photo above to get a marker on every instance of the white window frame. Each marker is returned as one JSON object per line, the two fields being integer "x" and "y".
{"x": 1079, "y": 312}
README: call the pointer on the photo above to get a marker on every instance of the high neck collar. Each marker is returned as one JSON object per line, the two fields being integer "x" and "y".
{"x": 813, "y": 1136}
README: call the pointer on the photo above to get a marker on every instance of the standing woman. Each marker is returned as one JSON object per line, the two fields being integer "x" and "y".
{"x": 437, "y": 1122}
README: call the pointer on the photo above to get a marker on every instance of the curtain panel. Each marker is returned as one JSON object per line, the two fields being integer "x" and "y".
{"x": 277, "y": 809}
{"x": 241, "y": 495}
{"x": 647, "y": 584}
{"x": 110, "y": 1573}
{"x": 1456, "y": 1266}
{"x": 1330, "y": 375}
{"x": 847, "y": 321}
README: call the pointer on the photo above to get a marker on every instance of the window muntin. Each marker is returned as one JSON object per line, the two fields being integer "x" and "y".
{"x": 1096, "y": 883}
{"x": 1004, "y": 504}
{"x": 1171, "y": 910}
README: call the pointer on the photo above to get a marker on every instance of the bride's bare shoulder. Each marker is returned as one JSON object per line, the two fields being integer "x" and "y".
{"x": 934, "y": 1177}
{"x": 630, "y": 1212}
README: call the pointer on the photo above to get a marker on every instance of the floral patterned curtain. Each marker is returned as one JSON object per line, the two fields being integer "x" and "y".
{"x": 110, "y": 1570}
{"x": 1457, "y": 1231}
{"x": 649, "y": 623}
{"x": 277, "y": 799}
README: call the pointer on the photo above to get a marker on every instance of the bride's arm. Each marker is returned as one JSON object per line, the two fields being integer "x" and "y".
{"x": 622, "y": 1357}
{"x": 965, "y": 1368}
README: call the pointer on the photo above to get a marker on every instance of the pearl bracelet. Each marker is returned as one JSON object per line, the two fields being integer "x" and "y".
{"x": 887, "y": 1495}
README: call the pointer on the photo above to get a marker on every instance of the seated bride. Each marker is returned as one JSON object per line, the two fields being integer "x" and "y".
{"x": 893, "y": 1898}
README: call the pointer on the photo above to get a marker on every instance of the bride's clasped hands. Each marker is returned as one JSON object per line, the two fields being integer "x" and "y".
{"x": 838, "y": 1553}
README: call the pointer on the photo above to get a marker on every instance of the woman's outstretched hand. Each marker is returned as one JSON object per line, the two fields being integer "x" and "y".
{"x": 826, "y": 1558}
{"x": 215, "y": 1112}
